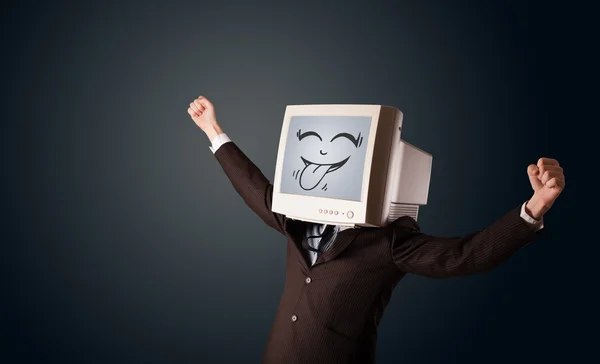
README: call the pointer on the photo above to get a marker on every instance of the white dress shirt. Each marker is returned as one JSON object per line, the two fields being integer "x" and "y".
{"x": 317, "y": 229}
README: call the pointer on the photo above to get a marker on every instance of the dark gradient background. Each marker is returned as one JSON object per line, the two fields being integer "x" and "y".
{"x": 125, "y": 243}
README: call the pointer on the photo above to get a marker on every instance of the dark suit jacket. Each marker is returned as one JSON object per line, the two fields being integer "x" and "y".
{"x": 333, "y": 316}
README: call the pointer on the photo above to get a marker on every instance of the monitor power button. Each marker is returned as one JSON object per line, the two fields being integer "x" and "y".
{"x": 350, "y": 214}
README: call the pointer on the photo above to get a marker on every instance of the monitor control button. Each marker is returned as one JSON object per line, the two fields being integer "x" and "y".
{"x": 350, "y": 214}
{"x": 325, "y": 211}
{"x": 331, "y": 212}
{"x": 320, "y": 211}
{"x": 335, "y": 213}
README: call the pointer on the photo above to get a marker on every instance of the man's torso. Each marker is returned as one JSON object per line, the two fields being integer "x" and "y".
{"x": 329, "y": 311}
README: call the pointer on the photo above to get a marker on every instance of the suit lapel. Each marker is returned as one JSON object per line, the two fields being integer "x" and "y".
{"x": 295, "y": 231}
{"x": 341, "y": 242}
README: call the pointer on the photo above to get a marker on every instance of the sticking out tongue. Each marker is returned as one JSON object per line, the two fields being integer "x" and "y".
{"x": 312, "y": 175}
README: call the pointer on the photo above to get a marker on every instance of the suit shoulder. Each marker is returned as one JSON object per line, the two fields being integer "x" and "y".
{"x": 405, "y": 223}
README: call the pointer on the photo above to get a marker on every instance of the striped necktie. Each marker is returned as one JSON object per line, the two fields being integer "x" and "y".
{"x": 325, "y": 239}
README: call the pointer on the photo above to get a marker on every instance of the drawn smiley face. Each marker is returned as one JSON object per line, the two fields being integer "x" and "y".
{"x": 324, "y": 156}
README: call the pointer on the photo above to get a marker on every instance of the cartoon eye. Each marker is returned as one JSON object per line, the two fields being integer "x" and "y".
{"x": 356, "y": 141}
{"x": 301, "y": 135}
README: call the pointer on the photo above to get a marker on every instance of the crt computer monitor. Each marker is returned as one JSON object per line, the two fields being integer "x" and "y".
{"x": 347, "y": 165}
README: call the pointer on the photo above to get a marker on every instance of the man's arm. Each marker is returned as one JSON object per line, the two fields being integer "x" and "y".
{"x": 250, "y": 183}
{"x": 478, "y": 252}
{"x": 246, "y": 178}
{"x": 483, "y": 250}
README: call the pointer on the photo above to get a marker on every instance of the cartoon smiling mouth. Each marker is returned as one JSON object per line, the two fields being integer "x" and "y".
{"x": 313, "y": 173}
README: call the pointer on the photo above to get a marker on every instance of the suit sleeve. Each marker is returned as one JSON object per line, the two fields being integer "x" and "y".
{"x": 477, "y": 252}
{"x": 250, "y": 183}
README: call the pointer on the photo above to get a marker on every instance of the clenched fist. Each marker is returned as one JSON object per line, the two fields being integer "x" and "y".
{"x": 202, "y": 112}
{"x": 548, "y": 181}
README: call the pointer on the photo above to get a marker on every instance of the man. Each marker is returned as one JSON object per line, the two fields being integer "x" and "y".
{"x": 338, "y": 282}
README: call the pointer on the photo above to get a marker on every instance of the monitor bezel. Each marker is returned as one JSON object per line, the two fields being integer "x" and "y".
{"x": 311, "y": 208}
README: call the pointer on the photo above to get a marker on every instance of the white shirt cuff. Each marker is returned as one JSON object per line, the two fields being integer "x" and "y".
{"x": 536, "y": 224}
{"x": 218, "y": 141}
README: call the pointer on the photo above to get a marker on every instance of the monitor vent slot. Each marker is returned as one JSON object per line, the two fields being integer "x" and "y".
{"x": 398, "y": 210}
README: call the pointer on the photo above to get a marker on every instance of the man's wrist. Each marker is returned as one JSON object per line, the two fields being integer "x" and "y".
{"x": 212, "y": 131}
{"x": 535, "y": 208}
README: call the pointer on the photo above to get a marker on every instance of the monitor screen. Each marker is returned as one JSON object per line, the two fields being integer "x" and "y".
{"x": 325, "y": 156}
